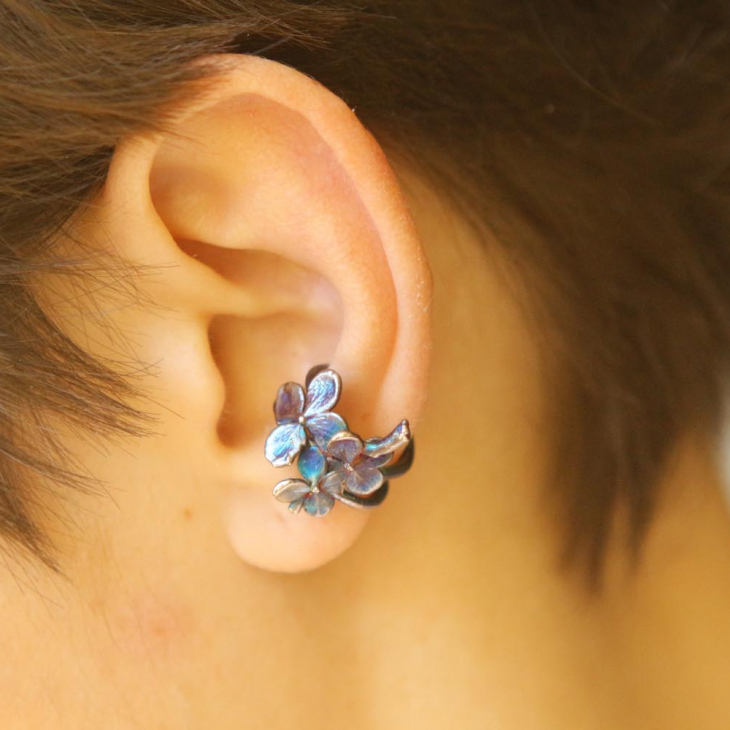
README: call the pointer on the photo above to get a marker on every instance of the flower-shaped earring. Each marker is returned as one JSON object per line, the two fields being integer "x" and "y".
{"x": 335, "y": 464}
{"x": 301, "y": 419}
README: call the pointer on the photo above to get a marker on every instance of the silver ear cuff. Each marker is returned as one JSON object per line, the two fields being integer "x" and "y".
{"x": 334, "y": 462}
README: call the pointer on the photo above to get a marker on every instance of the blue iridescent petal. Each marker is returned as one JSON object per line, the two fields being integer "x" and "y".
{"x": 373, "y": 462}
{"x": 318, "y": 504}
{"x": 345, "y": 446}
{"x": 312, "y": 464}
{"x": 289, "y": 402}
{"x": 290, "y": 490}
{"x": 296, "y": 506}
{"x": 364, "y": 481}
{"x": 284, "y": 443}
{"x": 323, "y": 393}
{"x": 323, "y": 428}
{"x": 332, "y": 483}
{"x": 398, "y": 437}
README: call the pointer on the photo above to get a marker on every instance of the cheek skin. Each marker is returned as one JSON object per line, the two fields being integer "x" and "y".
{"x": 151, "y": 625}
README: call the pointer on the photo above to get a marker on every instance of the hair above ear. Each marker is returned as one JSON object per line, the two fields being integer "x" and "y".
{"x": 280, "y": 240}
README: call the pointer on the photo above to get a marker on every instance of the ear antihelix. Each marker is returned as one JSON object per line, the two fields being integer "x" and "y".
{"x": 335, "y": 464}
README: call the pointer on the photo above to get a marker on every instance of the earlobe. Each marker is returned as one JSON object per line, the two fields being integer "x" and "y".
{"x": 283, "y": 241}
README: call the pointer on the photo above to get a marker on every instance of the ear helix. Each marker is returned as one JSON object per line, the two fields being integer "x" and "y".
{"x": 335, "y": 464}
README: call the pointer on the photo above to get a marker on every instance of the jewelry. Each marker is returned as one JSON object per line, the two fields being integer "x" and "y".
{"x": 335, "y": 463}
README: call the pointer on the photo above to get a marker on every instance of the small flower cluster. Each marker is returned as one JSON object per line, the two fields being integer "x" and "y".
{"x": 334, "y": 462}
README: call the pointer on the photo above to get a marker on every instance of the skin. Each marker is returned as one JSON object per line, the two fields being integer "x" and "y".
{"x": 445, "y": 609}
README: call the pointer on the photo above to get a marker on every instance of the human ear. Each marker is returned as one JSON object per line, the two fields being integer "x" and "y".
{"x": 279, "y": 240}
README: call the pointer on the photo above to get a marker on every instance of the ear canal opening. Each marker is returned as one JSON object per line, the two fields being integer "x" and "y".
{"x": 256, "y": 353}
{"x": 254, "y": 357}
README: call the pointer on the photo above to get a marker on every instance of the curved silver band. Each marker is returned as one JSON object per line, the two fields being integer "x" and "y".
{"x": 375, "y": 499}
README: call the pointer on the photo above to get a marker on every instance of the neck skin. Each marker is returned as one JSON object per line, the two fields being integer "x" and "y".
{"x": 449, "y": 611}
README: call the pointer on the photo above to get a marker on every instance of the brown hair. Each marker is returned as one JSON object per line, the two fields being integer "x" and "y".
{"x": 591, "y": 136}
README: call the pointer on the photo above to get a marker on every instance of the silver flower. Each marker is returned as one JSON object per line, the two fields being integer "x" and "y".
{"x": 355, "y": 466}
{"x": 308, "y": 493}
{"x": 301, "y": 419}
